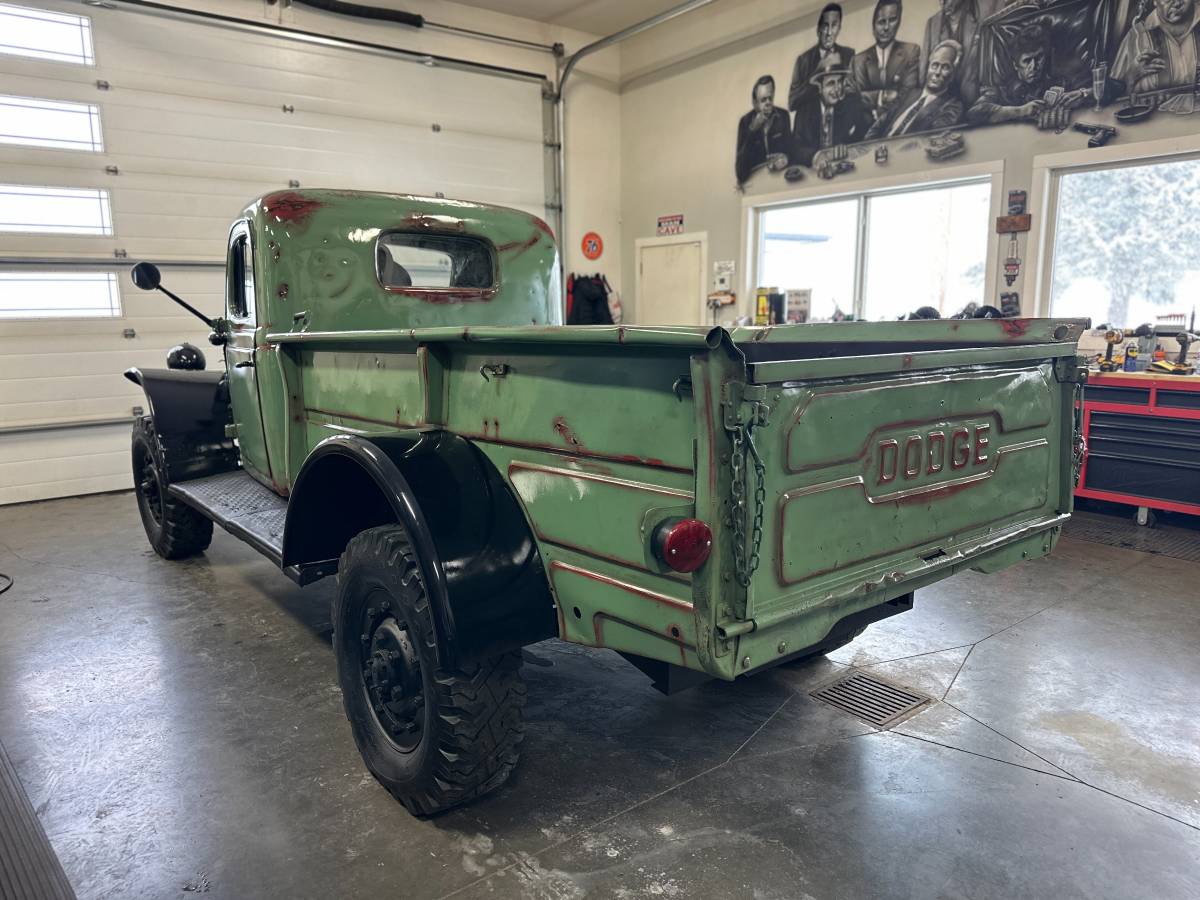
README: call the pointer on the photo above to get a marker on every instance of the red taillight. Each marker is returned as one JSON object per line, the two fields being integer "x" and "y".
{"x": 683, "y": 545}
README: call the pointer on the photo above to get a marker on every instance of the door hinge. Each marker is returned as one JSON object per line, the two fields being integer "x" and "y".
{"x": 231, "y": 430}
{"x": 745, "y": 405}
{"x": 1071, "y": 370}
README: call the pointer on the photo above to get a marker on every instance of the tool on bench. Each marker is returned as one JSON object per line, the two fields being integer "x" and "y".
{"x": 1179, "y": 366}
{"x": 1112, "y": 337}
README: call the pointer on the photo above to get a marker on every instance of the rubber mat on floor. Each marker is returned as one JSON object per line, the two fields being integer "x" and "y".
{"x": 29, "y": 870}
{"x": 1178, "y": 543}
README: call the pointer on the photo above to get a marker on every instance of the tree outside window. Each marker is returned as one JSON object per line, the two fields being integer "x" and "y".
{"x": 1125, "y": 243}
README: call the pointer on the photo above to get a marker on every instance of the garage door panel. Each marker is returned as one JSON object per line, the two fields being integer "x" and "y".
{"x": 150, "y": 335}
{"x": 271, "y": 71}
{"x": 195, "y": 125}
{"x": 104, "y": 406}
{"x": 99, "y": 462}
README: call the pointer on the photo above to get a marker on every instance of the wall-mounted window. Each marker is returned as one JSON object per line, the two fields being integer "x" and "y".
{"x": 434, "y": 261}
{"x": 50, "y": 123}
{"x": 47, "y": 210}
{"x": 881, "y": 255}
{"x": 42, "y": 34}
{"x": 1125, "y": 243}
{"x": 59, "y": 295}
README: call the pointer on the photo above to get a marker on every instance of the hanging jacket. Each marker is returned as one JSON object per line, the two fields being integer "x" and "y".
{"x": 589, "y": 303}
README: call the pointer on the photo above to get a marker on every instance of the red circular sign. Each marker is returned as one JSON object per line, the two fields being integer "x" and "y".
{"x": 593, "y": 246}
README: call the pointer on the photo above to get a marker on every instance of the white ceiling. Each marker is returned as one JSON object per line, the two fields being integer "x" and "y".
{"x": 599, "y": 17}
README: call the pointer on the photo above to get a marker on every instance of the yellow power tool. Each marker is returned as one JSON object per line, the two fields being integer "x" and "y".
{"x": 1180, "y": 366}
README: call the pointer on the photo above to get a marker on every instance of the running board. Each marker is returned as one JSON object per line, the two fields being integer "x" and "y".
{"x": 252, "y": 513}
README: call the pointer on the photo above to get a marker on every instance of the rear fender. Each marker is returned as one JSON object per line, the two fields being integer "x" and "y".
{"x": 486, "y": 582}
{"x": 190, "y": 410}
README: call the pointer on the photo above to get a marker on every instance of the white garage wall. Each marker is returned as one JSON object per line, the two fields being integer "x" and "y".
{"x": 194, "y": 121}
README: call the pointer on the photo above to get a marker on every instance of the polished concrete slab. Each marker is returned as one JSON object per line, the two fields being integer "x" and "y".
{"x": 178, "y": 729}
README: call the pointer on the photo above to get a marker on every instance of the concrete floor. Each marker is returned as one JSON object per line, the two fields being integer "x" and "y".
{"x": 178, "y": 729}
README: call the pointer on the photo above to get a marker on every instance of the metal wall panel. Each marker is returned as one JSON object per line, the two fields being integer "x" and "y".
{"x": 196, "y": 119}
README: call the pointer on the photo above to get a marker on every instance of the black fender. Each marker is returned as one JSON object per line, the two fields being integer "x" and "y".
{"x": 190, "y": 410}
{"x": 485, "y": 580}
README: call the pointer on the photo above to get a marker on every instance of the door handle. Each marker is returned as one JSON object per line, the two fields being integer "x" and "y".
{"x": 244, "y": 364}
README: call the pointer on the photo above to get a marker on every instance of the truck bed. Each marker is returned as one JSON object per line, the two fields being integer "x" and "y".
{"x": 881, "y": 446}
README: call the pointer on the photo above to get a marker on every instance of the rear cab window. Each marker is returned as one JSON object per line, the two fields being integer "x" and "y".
{"x": 405, "y": 261}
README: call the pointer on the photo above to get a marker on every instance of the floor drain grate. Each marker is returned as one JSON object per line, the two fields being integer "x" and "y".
{"x": 1178, "y": 543}
{"x": 876, "y": 700}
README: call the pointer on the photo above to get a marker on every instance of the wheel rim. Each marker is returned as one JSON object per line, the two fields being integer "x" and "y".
{"x": 149, "y": 488}
{"x": 391, "y": 674}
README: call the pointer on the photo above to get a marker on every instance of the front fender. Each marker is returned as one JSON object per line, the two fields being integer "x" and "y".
{"x": 483, "y": 573}
{"x": 190, "y": 410}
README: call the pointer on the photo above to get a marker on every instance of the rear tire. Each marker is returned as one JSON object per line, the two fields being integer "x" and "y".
{"x": 433, "y": 736}
{"x": 174, "y": 529}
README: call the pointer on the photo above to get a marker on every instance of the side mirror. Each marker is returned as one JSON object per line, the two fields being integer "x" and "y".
{"x": 146, "y": 276}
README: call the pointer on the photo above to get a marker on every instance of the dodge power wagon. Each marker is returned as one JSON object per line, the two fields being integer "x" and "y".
{"x": 401, "y": 407}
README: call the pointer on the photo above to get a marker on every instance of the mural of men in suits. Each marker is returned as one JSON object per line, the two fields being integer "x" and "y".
{"x": 839, "y": 117}
{"x": 956, "y": 20}
{"x": 932, "y": 108}
{"x": 829, "y": 25}
{"x": 889, "y": 68}
{"x": 764, "y": 133}
{"x": 1163, "y": 52}
{"x": 1021, "y": 97}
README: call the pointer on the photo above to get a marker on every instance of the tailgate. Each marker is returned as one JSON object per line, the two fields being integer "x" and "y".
{"x": 883, "y": 469}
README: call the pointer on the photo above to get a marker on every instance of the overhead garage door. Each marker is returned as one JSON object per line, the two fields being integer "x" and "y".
{"x": 176, "y": 125}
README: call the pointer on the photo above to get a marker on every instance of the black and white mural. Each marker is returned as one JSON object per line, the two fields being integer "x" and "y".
{"x": 945, "y": 68}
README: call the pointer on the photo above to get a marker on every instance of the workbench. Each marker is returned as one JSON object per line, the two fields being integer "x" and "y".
{"x": 1143, "y": 441}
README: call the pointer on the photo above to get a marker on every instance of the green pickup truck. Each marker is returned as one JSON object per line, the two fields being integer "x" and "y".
{"x": 401, "y": 407}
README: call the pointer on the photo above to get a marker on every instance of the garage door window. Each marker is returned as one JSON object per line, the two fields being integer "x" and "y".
{"x": 43, "y": 210}
{"x": 59, "y": 295}
{"x": 42, "y": 34}
{"x": 57, "y": 124}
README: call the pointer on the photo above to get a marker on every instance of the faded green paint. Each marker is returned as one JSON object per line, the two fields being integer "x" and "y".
{"x": 603, "y": 433}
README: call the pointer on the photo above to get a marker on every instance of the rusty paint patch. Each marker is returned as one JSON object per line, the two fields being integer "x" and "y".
{"x": 580, "y": 474}
{"x": 445, "y": 295}
{"x": 630, "y": 458}
{"x": 427, "y": 222}
{"x": 645, "y": 593}
{"x": 565, "y": 432}
{"x": 290, "y": 207}
{"x": 518, "y": 247}
{"x": 1015, "y": 328}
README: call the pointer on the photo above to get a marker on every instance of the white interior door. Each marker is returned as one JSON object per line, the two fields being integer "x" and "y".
{"x": 671, "y": 281}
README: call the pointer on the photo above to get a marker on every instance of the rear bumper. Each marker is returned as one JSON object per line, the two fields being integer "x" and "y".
{"x": 808, "y": 621}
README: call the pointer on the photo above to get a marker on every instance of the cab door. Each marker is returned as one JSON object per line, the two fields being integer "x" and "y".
{"x": 241, "y": 354}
